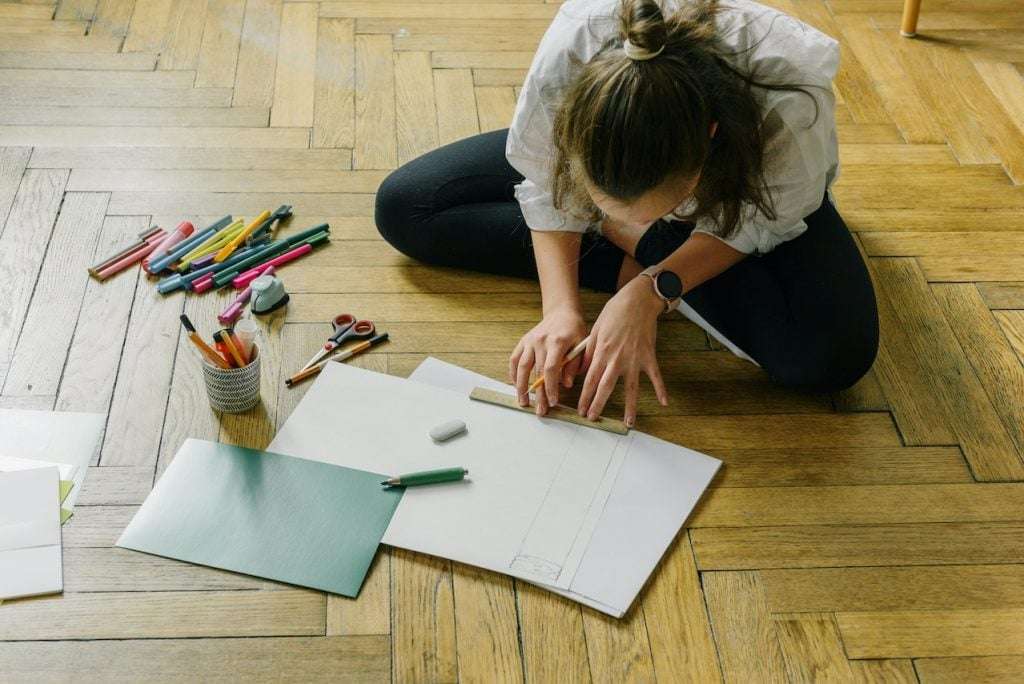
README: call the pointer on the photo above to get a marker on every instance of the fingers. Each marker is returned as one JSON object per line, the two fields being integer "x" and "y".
{"x": 591, "y": 383}
{"x": 604, "y": 390}
{"x": 523, "y": 376}
{"x": 632, "y": 390}
{"x": 542, "y": 403}
{"x": 552, "y": 372}
{"x": 654, "y": 373}
{"x": 513, "y": 361}
{"x": 570, "y": 371}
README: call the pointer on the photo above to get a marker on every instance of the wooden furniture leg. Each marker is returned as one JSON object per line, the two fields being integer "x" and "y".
{"x": 908, "y": 27}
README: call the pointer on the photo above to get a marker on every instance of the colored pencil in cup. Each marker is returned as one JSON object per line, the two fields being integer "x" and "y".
{"x": 211, "y": 355}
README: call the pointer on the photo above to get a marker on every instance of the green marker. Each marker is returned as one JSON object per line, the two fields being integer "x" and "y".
{"x": 427, "y": 477}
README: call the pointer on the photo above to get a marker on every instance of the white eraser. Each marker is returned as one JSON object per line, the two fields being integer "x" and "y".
{"x": 447, "y": 430}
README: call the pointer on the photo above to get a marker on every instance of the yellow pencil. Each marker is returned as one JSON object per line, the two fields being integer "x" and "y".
{"x": 576, "y": 351}
{"x": 227, "y": 249}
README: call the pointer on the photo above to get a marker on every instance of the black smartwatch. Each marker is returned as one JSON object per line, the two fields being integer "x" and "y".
{"x": 667, "y": 285}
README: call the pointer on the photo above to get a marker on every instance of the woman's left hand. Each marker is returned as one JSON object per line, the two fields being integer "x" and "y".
{"x": 622, "y": 344}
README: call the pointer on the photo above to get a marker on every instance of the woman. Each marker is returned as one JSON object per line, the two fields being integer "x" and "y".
{"x": 658, "y": 151}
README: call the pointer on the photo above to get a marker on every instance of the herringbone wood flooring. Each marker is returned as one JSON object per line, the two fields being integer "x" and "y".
{"x": 873, "y": 535}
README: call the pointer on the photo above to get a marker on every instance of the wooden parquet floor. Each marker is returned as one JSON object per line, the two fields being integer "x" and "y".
{"x": 874, "y": 535}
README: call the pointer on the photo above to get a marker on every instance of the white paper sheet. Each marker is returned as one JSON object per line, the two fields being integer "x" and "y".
{"x": 596, "y": 543}
{"x": 11, "y": 463}
{"x": 61, "y": 437}
{"x": 30, "y": 552}
{"x": 654, "y": 491}
{"x": 519, "y": 513}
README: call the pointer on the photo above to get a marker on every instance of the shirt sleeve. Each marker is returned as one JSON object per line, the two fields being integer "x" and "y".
{"x": 529, "y": 147}
{"x": 802, "y": 160}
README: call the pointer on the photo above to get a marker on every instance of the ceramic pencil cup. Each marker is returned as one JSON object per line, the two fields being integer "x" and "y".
{"x": 233, "y": 390}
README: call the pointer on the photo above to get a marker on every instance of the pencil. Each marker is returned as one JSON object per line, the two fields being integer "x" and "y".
{"x": 343, "y": 356}
{"x": 211, "y": 356}
{"x": 573, "y": 353}
{"x": 224, "y": 337}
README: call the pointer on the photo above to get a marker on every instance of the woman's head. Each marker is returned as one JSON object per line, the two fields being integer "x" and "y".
{"x": 658, "y": 118}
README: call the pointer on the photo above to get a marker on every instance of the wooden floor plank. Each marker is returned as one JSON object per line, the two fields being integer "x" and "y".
{"x": 184, "y": 35}
{"x": 42, "y": 346}
{"x": 872, "y": 545}
{"x": 237, "y": 117}
{"x": 1012, "y": 323}
{"x": 983, "y": 342}
{"x": 414, "y": 95}
{"x": 80, "y": 78}
{"x": 276, "y": 180}
{"x": 147, "y": 30}
{"x": 154, "y": 136}
{"x": 860, "y": 505}
{"x": 894, "y": 588}
{"x": 93, "y": 569}
{"x": 945, "y": 633}
{"x": 486, "y": 629}
{"x": 375, "y": 136}
{"x": 618, "y": 650}
{"x": 192, "y": 159}
{"x": 760, "y": 467}
{"x": 220, "y": 203}
{"x": 117, "y": 61}
{"x": 218, "y": 52}
{"x": 494, "y": 106}
{"x": 295, "y": 78}
{"x": 553, "y": 641}
{"x": 87, "y": 383}
{"x": 956, "y": 397}
{"x": 991, "y": 243}
{"x": 13, "y": 161}
{"x": 423, "y": 646}
{"x": 22, "y": 249}
{"x": 69, "y": 96}
{"x": 115, "y": 486}
{"x": 682, "y": 645}
{"x": 992, "y": 669}
{"x": 310, "y": 659}
{"x": 1002, "y": 295}
{"x": 143, "y": 378}
{"x": 811, "y": 648}
{"x": 257, "y": 54}
{"x": 334, "y": 110}
{"x": 172, "y": 614}
{"x": 748, "y": 647}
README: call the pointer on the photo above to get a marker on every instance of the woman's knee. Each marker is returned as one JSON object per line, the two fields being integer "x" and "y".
{"x": 828, "y": 363}
{"x": 392, "y": 214}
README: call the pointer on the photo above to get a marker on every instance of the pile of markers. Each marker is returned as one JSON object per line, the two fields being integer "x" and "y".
{"x": 228, "y": 252}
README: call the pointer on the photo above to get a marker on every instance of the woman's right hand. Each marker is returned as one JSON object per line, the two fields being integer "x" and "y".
{"x": 543, "y": 348}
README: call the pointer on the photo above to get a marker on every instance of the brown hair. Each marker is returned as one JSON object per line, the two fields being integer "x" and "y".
{"x": 627, "y": 125}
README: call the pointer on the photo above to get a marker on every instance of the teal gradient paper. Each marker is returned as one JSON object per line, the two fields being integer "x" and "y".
{"x": 287, "y": 519}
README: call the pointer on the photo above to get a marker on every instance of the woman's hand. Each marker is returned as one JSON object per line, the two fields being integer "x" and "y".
{"x": 622, "y": 343}
{"x": 544, "y": 348}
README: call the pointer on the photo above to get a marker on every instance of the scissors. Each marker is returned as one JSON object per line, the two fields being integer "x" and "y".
{"x": 346, "y": 328}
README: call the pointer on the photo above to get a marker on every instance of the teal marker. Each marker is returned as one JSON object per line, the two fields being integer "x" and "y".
{"x": 426, "y": 477}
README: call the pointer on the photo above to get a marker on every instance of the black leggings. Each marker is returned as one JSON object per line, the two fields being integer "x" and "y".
{"x": 805, "y": 311}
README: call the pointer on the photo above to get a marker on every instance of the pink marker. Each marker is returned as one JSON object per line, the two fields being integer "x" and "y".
{"x": 132, "y": 257}
{"x": 234, "y": 310}
{"x": 243, "y": 279}
{"x": 183, "y": 230}
{"x": 203, "y": 284}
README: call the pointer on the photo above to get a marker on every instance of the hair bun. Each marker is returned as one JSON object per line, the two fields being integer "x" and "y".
{"x": 642, "y": 29}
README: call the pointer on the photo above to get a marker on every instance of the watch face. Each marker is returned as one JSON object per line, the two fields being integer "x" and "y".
{"x": 670, "y": 286}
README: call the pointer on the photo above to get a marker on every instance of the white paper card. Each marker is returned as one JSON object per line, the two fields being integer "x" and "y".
{"x": 30, "y": 552}
{"x": 61, "y": 437}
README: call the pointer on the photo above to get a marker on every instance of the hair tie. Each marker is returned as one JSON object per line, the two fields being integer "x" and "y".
{"x": 638, "y": 53}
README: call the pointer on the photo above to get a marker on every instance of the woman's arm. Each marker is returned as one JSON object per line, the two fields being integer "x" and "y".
{"x": 622, "y": 341}
{"x": 557, "y": 254}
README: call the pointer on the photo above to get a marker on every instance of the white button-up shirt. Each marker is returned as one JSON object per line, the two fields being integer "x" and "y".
{"x": 801, "y": 156}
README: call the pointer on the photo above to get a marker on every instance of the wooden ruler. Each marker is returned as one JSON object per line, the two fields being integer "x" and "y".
{"x": 557, "y": 412}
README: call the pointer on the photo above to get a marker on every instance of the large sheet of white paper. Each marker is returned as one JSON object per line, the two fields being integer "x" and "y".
{"x": 656, "y": 489}
{"x": 540, "y": 490}
{"x": 62, "y": 437}
{"x": 30, "y": 553}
